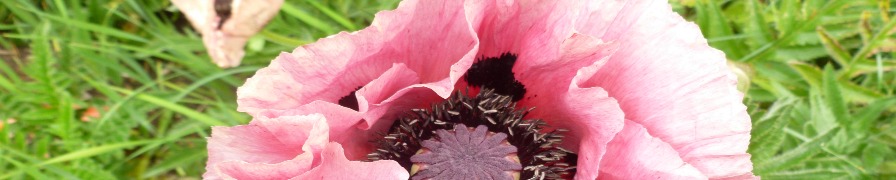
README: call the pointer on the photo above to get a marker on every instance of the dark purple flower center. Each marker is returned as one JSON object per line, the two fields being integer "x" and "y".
{"x": 496, "y": 73}
{"x": 461, "y": 153}
{"x": 350, "y": 101}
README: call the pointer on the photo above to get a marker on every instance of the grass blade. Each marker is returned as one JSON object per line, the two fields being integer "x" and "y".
{"x": 85, "y": 153}
{"x": 307, "y": 18}
{"x": 333, "y": 15}
{"x": 176, "y": 108}
{"x": 796, "y": 155}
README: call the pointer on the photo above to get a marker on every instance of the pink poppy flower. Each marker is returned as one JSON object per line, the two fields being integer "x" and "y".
{"x": 620, "y": 90}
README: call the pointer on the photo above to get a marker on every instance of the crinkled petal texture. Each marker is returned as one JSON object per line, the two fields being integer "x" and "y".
{"x": 419, "y": 50}
{"x": 549, "y": 55}
{"x": 669, "y": 82}
{"x": 286, "y": 147}
{"x": 636, "y": 60}
{"x": 634, "y": 154}
{"x": 408, "y": 58}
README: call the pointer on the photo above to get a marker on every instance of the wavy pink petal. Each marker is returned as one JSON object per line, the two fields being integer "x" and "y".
{"x": 252, "y": 153}
{"x": 430, "y": 38}
{"x": 635, "y": 154}
{"x": 597, "y": 123}
{"x": 394, "y": 92}
{"x": 550, "y": 53}
{"x": 346, "y": 126}
{"x": 668, "y": 79}
{"x": 271, "y": 144}
{"x": 592, "y": 117}
{"x": 336, "y": 166}
{"x": 262, "y": 171}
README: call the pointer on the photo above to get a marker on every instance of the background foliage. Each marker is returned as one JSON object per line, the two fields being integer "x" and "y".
{"x": 123, "y": 89}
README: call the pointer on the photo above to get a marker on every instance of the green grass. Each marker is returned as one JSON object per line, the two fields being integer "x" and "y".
{"x": 821, "y": 83}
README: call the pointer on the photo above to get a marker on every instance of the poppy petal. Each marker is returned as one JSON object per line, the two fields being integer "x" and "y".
{"x": 261, "y": 171}
{"x": 336, "y": 166}
{"x": 337, "y": 65}
{"x": 270, "y": 141}
{"x": 638, "y": 155}
{"x": 668, "y": 79}
{"x": 592, "y": 117}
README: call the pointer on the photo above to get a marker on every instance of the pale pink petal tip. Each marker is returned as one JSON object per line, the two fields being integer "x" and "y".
{"x": 285, "y": 147}
{"x": 635, "y": 154}
{"x": 271, "y": 143}
{"x": 671, "y": 82}
{"x": 397, "y": 52}
{"x": 334, "y": 165}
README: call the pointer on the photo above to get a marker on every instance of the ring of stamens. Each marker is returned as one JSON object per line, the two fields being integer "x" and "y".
{"x": 539, "y": 153}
